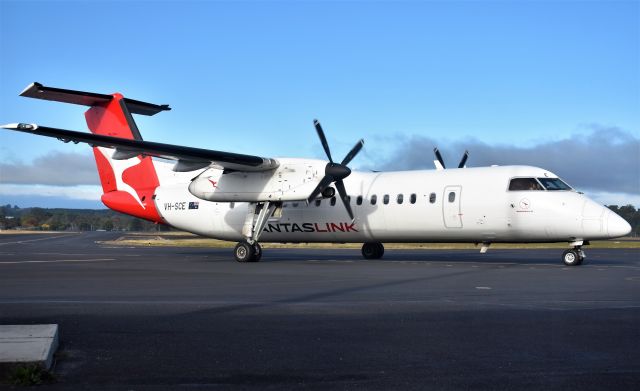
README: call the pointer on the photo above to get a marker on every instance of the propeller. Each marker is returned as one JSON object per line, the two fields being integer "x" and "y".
{"x": 463, "y": 161}
{"x": 335, "y": 172}
{"x": 440, "y": 160}
{"x": 439, "y": 157}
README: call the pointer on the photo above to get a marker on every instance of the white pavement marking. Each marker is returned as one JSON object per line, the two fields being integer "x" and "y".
{"x": 483, "y": 287}
{"x": 60, "y": 260}
{"x": 34, "y": 240}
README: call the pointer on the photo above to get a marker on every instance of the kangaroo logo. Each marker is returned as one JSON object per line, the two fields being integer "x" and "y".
{"x": 119, "y": 167}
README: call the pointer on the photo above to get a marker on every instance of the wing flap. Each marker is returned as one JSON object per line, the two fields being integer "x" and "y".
{"x": 196, "y": 157}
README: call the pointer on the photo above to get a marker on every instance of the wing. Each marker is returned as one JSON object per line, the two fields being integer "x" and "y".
{"x": 188, "y": 158}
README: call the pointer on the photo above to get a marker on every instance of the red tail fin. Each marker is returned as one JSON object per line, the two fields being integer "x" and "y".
{"x": 128, "y": 184}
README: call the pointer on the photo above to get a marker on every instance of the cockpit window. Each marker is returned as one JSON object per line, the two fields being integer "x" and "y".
{"x": 554, "y": 184}
{"x": 524, "y": 184}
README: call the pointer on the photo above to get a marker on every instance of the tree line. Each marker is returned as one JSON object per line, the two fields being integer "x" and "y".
{"x": 631, "y": 214}
{"x": 13, "y": 217}
{"x": 58, "y": 219}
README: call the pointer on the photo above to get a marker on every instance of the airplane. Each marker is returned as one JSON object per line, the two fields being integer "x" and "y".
{"x": 248, "y": 199}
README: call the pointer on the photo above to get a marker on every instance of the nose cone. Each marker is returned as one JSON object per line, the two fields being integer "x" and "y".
{"x": 617, "y": 226}
{"x": 337, "y": 171}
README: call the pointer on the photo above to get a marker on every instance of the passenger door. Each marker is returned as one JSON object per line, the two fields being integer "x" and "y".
{"x": 451, "y": 211}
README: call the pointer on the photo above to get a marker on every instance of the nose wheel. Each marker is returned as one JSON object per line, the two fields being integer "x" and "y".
{"x": 573, "y": 257}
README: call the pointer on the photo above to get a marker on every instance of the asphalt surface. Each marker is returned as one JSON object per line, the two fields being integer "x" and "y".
{"x": 192, "y": 318}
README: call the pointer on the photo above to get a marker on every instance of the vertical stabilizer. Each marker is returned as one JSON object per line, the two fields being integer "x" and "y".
{"x": 128, "y": 182}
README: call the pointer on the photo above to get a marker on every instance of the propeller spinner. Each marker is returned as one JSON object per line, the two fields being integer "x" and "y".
{"x": 335, "y": 172}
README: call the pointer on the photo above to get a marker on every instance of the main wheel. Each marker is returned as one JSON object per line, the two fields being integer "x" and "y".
{"x": 257, "y": 252}
{"x": 372, "y": 250}
{"x": 244, "y": 252}
{"x": 369, "y": 250}
{"x": 571, "y": 258}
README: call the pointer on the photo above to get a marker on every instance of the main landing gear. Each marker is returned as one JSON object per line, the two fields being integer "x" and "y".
{"x": 249, "y": 249}
{"x": 372, "y": 250}
{"x": 575, "y": 255}
{"x": 245, "y": 252}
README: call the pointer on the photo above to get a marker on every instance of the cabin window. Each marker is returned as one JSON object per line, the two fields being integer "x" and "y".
{"x": 452, "y": 196}
{"x": 517, "y": 184}
{"x": 333, "y": 201}
{"x": 554, "y": 184}
{"x": 359, "y": 200}
{"x": 318, "y": 202}
{"x": 400, "y": 198}
{"x": 374, "y": 199}
{"x": 432, "y": 198}
{"x": 413, "y": 198}
{"x": 385, "y": 199}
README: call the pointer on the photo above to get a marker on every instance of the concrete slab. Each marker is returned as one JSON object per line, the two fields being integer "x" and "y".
{"x": 27, "y": 344}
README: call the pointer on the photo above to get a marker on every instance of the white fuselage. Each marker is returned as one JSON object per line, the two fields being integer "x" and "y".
{"x": 453, "y": 205}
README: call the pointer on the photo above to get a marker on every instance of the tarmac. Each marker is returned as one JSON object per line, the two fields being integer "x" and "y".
{"x": 149, "y": 318}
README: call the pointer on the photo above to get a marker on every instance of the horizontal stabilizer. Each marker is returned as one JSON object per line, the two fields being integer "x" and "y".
{"x": 126, "y": 148}
{"x": 38, "y": 91}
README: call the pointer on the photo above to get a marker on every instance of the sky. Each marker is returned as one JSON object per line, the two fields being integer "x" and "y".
{"x": 554, "y": 84}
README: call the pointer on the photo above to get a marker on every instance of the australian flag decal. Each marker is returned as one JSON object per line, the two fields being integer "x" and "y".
{"x": 194, "y": 205}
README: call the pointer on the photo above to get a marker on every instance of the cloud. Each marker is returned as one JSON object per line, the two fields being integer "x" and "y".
{"x": 83, "y": 192}
{"x": 604, "y": 160}
{"x": 54, "y": 168}
{"x": 619, "y": 199}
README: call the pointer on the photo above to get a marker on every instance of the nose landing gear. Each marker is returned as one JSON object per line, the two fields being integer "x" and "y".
{"x": 574, "y": 256}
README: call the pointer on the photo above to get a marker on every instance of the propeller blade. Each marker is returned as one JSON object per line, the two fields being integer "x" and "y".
{"x": 464, "y": 159}
{"x": 343, "y": 195}
{"x": 323, "y": 139}
{"x": 439, "y": 157}
{"x": 354, "y": 151}
{"x": 326, "y": 181}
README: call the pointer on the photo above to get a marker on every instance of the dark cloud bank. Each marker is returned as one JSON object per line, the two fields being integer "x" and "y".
{"x": 55, "y": 168}
{"x": 603, "y": 159}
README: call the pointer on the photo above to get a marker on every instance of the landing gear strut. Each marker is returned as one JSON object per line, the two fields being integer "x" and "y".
{"x": 249, "y": 250}
{"x": 372, "y": 250}
{"x": 574, "y": 256}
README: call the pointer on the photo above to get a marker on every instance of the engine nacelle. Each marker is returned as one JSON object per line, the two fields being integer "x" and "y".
{"x": 293, "y": 180}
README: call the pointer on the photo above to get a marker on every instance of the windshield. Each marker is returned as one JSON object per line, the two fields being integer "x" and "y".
{"x": 554, "y": 184}
{"x": 524, "y": 184}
